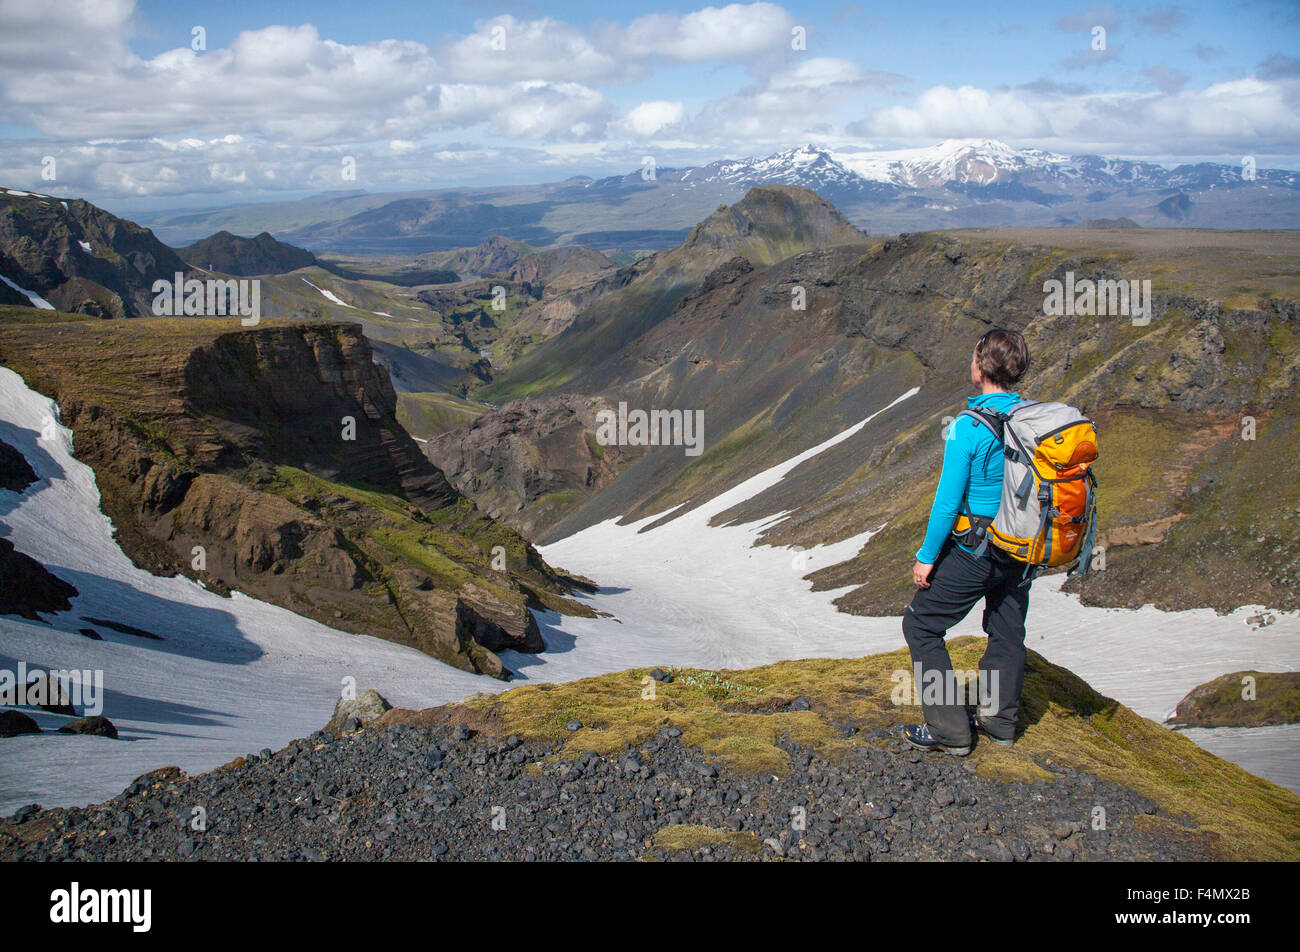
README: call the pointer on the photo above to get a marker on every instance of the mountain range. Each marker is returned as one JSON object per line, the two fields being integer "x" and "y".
{"x": 955, "y": 184}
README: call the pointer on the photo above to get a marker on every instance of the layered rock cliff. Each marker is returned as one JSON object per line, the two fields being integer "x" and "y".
{"x": 270, "y": 461}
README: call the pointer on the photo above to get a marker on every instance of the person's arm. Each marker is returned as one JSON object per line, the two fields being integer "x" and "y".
{"x": 953, "y": 481}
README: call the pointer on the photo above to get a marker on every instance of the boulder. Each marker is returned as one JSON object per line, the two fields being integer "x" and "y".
{"x": 362, "y": 709}
{"x": 98, "y": 726}
{"x": 14, "y": 723}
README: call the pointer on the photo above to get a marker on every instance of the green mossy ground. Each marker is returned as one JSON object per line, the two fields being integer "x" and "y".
{"x": 428, "y": 415}
{"x": 739, "y": 718}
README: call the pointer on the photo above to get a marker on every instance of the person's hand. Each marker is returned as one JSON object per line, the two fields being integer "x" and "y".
{"x": 921, "y": 574}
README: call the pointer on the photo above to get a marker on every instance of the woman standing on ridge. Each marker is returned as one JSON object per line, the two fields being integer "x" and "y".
{"x": 955, "y": 568}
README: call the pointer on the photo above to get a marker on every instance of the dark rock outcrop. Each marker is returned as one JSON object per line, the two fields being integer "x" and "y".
{"x": 16, "y": 723}
{"x": 540, "y": 267}
{"x": 96, "y": 726}
{"x": 27, "y": 587}
{"x": 16, "y": 474}
{"x": 494, "y": 256}
{"x": 532, "y": 458}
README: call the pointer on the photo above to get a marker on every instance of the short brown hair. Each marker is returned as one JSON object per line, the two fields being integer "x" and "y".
{"x": 1002, "y": 356}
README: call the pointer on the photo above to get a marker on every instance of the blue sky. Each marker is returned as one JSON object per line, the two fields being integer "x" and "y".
{"x": 418, "y": 96}
{"x": 938, "y": 42}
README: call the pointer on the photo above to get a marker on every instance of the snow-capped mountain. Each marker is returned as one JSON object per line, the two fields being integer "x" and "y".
{"x": 805, "y": 166}
{"x": 961, "y": 163}
{"x": 978, "y": 162}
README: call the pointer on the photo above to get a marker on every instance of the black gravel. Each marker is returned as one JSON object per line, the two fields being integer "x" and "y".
{"x": 433, "y": 793}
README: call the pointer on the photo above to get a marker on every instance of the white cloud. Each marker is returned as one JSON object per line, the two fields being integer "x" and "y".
{"x": 818, "y": 72}
{"x": 649, "y": 118}
{"x": 800, "y": 99}
{"x": 532, "y": 110}
{"x": 966, "y": 112}
{"x": 58, "y": 35}
{"x": 275, "y": 81}
{"x": 539, "y": 110}
{"x": 736, "y": 31}
{"x": 505, "y": 48}
{"x": 1249, "y": 115}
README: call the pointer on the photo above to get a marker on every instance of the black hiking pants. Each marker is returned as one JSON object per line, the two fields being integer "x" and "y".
{"x": 958, "y": 581}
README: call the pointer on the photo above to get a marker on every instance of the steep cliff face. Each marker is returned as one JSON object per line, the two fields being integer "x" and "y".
{"x": 533, "y": 460}
{"x": 255, "y": 389}
{"x": 80, "y": 258}
{"x": 270, "y": 461}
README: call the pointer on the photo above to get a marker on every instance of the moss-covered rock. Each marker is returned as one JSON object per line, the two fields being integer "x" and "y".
{"x": 95, "y": 725}
{"x": 1241, "y": 699}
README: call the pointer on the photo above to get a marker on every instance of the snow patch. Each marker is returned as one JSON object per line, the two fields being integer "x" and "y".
{"x": 36, "y": 299}
{"x": 330, "y": 295}
{"x": 229, "y": 677}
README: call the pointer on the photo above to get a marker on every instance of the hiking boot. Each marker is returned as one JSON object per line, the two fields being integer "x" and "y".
{"x": 919, "y": 736}
{"x": 977, "y": 725}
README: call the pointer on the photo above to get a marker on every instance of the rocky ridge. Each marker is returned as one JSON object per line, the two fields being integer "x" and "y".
{"x": 80, "y": 258}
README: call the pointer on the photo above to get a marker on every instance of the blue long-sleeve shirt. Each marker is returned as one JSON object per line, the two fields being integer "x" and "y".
{"x": 972, "y": 470}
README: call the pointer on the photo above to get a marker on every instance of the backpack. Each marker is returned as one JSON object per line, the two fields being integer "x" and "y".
{"x": 1048, "y": 513}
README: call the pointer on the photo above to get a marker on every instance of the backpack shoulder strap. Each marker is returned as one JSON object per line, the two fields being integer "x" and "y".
{"x": 992, "y": 419}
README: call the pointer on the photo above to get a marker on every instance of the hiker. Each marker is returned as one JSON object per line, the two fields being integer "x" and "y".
{"x": 955, "y": 568}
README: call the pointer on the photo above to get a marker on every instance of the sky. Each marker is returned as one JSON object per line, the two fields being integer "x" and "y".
{"x": 179, "y": 103}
